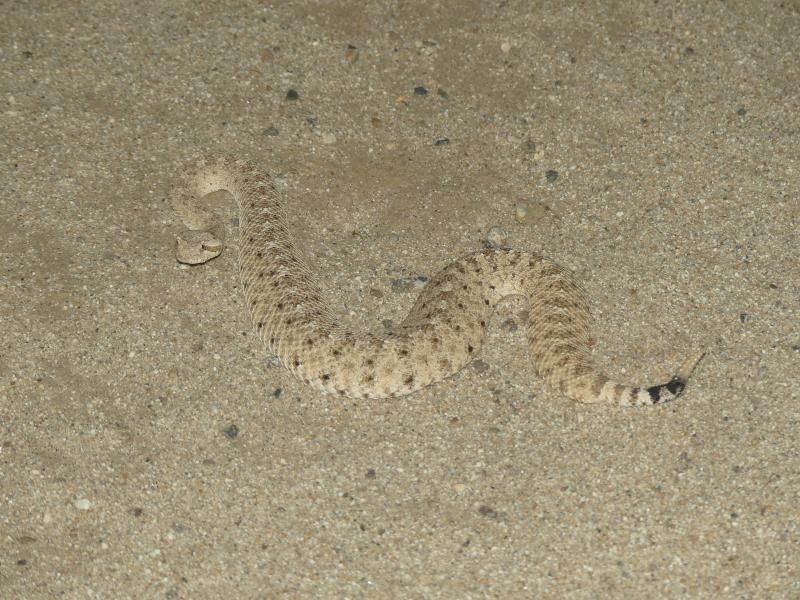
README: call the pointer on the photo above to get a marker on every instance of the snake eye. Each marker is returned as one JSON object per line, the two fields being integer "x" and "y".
{"x": 212, "y": 246}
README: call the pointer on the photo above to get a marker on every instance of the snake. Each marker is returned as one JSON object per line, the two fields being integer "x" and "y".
{"x": 443, "y": 331}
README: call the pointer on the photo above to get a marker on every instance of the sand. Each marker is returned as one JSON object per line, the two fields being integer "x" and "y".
{"x": 149, "y": 446}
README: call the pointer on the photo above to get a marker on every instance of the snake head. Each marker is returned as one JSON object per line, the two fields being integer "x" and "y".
{"x": 197, "y": 247}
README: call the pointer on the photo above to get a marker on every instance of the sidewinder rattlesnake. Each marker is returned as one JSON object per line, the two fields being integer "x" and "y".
{"x": 443, "y": 331}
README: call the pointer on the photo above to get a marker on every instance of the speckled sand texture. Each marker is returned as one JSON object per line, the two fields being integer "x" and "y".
{"x": 149, "y": 446}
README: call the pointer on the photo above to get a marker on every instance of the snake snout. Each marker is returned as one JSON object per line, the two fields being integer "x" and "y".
{"x": 197, "y": 247}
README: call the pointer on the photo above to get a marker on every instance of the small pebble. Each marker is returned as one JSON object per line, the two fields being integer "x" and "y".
{"x": 521, "y": 212}
{"x": 479, "y": 366}
{"x": 406, "y": 284}
{"x": 292, "y": 95}
{"x": 496, "y": 237}
{"x": 551, "y": 175}
{"x": 441, "y": 142}
{"x": 420, "y": 91}
{"x": 351, "y": 55}
{"x": 505, "y": 47}
{"x": 232, "y": 431}
{"x": 328, "y": 139}
{"x": 82, "y": 504}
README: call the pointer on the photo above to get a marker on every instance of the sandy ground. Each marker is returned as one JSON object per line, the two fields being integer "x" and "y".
{"x": 149, "y": 447}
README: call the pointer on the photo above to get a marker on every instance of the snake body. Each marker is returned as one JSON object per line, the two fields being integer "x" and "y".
{"x": 441, "y": 334}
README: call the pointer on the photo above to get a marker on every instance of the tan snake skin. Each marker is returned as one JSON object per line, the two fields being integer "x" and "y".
{"x": 442, "y": 332}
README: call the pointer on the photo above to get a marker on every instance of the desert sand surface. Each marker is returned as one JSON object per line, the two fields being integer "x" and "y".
{"x": 151, "y": 448}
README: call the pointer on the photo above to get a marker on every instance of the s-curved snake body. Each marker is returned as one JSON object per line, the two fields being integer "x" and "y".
{"x": 443, "y": 331}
